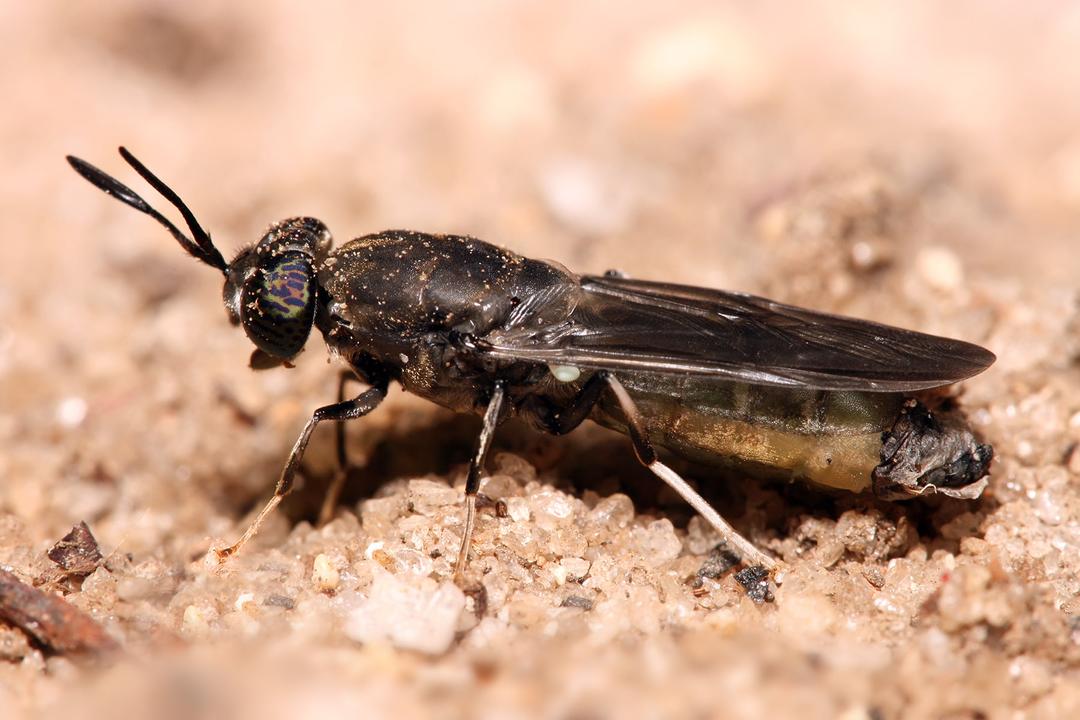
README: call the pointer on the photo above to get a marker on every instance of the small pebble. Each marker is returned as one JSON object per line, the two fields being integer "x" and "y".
{"x": 419, "y": 614}
{"x": 1049, "y": 507}
{"x": 720, "y": 560}
{"x": 577, "y": 601}
{"x": 324, "y": 575}
{"x": 615, "y": 511}
{"x": 428, "y": 497}
{"x": 405, "y": 559}
{"x": 499, "y": 487}
{"x": 196, "y": 623}
{"x": 577, "y": 568}
{"x": 559, "y": 573}
{"x": 518, "y": 509}
{"x": 71, "y": 411}
{"x": 756, "y": 582}
{"x": 657, "y": 542}
{"x": 280, "y": 601}
{"x": 875, "y": 577}
{"x": 551, "y": 508}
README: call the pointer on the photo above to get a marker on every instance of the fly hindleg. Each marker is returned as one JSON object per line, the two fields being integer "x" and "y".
{"x": 565, "y": 419}
{"x": 647, "y": 455}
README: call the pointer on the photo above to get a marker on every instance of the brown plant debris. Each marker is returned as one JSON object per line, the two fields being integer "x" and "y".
{"x": 77, "y": 553}
{"x": 50, "y": 620}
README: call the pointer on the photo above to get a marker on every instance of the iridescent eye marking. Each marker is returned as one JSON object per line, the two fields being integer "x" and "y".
{"x": 287, "y": 289}
{"x": 278, "y": 304}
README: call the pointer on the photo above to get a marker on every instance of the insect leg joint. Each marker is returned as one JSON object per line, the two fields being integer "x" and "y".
{"x": 647, "y": 455}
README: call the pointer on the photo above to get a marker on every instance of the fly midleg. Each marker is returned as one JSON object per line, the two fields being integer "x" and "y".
{"x": 472, "y": 482}
{"x": 647, "y": 455}
{"x": 341, "y": 474}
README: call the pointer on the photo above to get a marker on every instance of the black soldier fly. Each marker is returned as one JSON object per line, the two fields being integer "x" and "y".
{"x": 714, "y": 376}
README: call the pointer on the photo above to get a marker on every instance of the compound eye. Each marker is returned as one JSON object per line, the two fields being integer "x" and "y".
{"x": 277, "y": 305}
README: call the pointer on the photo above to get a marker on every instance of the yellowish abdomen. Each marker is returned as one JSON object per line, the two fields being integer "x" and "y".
{"x": 826, "y": 438}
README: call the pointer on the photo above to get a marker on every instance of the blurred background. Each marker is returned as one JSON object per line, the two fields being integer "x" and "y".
{"x": 575, "y": 129}
{"x": 708, "y": 143}
{"x": 915, "y": 162}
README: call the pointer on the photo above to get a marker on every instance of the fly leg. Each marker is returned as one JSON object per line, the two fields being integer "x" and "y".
{"x": 359, "y": 406}
{"x": 647, "y": 455}
{"x": 333, "y": 493}
{"x": 472, "y": 482}
{"x": 566, "y": 419}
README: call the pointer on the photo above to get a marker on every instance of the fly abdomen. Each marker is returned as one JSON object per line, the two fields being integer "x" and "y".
{"x": 829, "y": 438}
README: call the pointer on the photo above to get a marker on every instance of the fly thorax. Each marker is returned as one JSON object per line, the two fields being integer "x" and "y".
{"x": 408, "y": 284}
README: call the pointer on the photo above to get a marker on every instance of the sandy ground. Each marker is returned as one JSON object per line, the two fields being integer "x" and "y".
{"x": 910, "y": 163}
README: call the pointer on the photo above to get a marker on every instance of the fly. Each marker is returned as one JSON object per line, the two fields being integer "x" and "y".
{"x": 714, "y": 376}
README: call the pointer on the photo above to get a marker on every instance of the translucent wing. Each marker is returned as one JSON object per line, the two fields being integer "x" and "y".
{"x": 621, "y": 324}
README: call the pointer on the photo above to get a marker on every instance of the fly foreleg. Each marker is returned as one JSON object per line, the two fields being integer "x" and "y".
{"x": 647, "y": 455}
{"x": 348, "y": 410}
